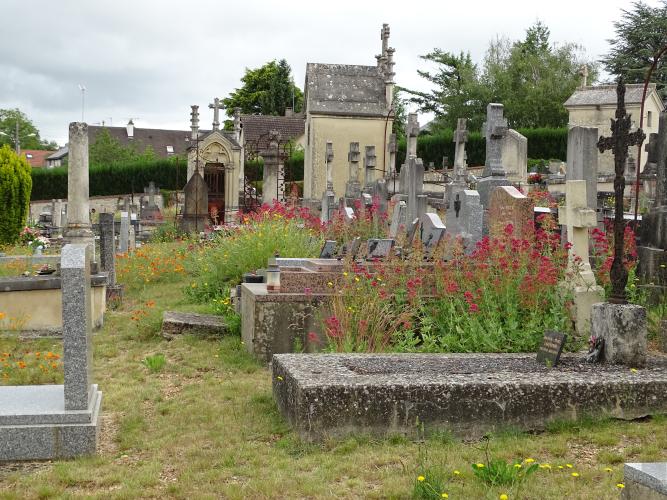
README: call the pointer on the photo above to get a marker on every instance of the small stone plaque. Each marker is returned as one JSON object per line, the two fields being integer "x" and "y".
{"x": 551, "y": 348}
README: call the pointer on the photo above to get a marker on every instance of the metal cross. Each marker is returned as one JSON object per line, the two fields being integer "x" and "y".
{"x": 621, "y": 138}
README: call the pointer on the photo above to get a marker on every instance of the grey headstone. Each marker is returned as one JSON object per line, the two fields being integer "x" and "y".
{"x": 369, "y": 165}
{"x": 471, "y": 218}
{"x": 650, "y": 477}
{"x": 432, "y": 230}
{"x": 398, "y": 219}
{"x": 495, "y": 128}
{"x": 77, "y": 325}
{"x": 124, "y": 236}
{"x": 582, "y": 160}
{"x": 379, "y": 248}
{"x": 107, "y": 246}
{"x": 353, "y": 186}
{"x": 328, "y": 249}
{"x": 348, "y": 213}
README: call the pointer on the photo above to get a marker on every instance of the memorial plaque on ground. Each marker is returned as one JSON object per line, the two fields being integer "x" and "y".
{"x": 551, "y": 348}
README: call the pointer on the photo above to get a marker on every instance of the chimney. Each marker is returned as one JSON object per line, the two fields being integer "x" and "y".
{"x": 130, "y": 129}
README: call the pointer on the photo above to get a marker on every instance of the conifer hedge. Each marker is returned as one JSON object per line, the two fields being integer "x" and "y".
{"x": 15, "y": 186}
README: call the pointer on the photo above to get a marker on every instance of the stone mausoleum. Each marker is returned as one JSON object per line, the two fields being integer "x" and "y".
{"x": 347, "y": 103}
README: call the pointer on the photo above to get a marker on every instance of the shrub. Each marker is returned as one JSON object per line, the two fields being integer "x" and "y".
{"x": 15, "y": 188}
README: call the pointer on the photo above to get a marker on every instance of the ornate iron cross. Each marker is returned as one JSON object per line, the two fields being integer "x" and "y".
{"x": 621, "y": 138}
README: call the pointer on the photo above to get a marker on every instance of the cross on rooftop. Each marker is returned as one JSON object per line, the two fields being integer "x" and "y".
{"x": 216, "y": 106}
{"x": 621, "y": 138}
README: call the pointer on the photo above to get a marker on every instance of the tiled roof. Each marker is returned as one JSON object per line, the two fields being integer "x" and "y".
{"x": 345, "y": 89}
{"x": 60, "y": 154}
{"x": 605, "y": 95}
{"x": 158, "y": 139}
{"x": 36, "y": 157}
{"x": 256, "y": 128}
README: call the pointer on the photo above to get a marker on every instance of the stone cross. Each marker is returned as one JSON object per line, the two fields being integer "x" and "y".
{"x": 194, "y": 122}
{"x": 328, "y": 159}
{"x": 579, "y": 218}
{"x": 392, "y": 155}
{"x": 460, "y": 139}
{"x": 271, "y": 188}
{"x": 328, "y": 197}
{"x": 495, "y": 128}
{"x": 369, "y": 164}
{"x": 151, "y": 194}
{"x": 216, "y": 106}
{"x": 77, "y": 325}
{"x": 78, "y": 212}
{"x": 584, "y": 75}
{"x": 107, "y": 246}
{"x": 412, "y": 131}
{"x": 621, "y": 138}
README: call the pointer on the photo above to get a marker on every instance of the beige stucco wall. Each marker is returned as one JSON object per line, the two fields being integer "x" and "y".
{"x": 341, "y": 131}
{"x": 590, "y": 116}
{"x": 42, "y": 309}
{"x": 216, "y": 148}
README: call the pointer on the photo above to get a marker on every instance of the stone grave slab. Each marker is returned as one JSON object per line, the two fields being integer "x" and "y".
{"x": 177, "y": 323}
{"x": 323, "y": 395}
{"x": 645, "y": 481}
{"x": 379, "y": 248}
{"x": 508, "y": 205}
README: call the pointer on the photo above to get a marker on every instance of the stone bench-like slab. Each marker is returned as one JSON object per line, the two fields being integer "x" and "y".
{"x": 324, "y": 395}
{"x": 645, "y": 481}
{"x": 177, "y": 323}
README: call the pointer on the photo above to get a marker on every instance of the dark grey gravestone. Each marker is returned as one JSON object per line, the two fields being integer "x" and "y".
{"x": 645, "y": 481}
{"x": 379, "y": 248}
{"x": 124, "y": 236}
{"x": 551, "y": 348}
{"x": 328, "y": 249}
{"x": 107, "y": 246}
{"x": 77, "y": 325}
{"x": 354, "y": 247}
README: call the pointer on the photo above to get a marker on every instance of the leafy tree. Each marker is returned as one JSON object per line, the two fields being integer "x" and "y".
{"x": 106, "y": 150}
{"x": 457, "y": 90}
{"x": 531, "y": 77}
{"x": 15, "y": 187}
{"x": 267, "y": 90}
{"x": 28, "y": 133}
{"x": 400, "y": 115}
{"x": 640, "y": 34}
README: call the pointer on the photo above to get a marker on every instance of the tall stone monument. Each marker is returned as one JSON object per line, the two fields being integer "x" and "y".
{"x": 495, "y": 129}
{"x": 653, "y": 247}
{"x": 78, "y": 228}
{"x": 459, "y": 183}
{"x": 353, "y": 186}
{"x": 578, "y": 217}
{"x": 328, "y": 197}
{"x": 412, "y": 173}
{"x": 271, "y": 188}
{"x": 582, "y": 161}
{"x": 370, "y": 162}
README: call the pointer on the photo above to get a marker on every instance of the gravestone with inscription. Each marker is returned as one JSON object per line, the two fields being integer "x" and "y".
{"x": 507, "y": 205}
{"x": 551, "y": 348}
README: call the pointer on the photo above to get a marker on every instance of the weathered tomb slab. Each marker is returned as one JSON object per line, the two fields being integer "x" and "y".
{"x": 508, "y": 205}
{"x": 325, "y": 395}
{"x": 645, "y": 481}
{"x": 178, "y": 323}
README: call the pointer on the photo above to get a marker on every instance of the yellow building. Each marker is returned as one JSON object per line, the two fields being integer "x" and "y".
{"x": 344, "y": 104}
{"x": 596, "y": 106}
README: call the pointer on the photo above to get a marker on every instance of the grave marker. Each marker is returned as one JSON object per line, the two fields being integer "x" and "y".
{"x": 551, "y": 348}
{"x": 507, "y": 205}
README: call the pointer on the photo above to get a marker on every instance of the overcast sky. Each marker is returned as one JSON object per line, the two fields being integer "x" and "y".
{"x": 150, "y": 60}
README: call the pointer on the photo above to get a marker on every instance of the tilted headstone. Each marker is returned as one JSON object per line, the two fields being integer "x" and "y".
{"x": 398, "y": 219}
{"x": 328, "y": 249}
{"x": 354, "y": 247}
{"x": 413, "y": 228}
{"x": 348, "y": 214}
{"x": 579, "y": 218}
{"x": 379, "y": 248}
{"x": 582, "y": 160}
{"x": 353, "y": 186}
{"x": 432, "y": 230}
{"x": 509, "y": 206}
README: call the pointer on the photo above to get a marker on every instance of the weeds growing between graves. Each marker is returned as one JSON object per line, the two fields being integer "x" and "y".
{"x": 155, "y": 363}
{"x": 21, "y": 365}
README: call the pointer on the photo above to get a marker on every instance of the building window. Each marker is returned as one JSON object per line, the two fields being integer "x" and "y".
{"x": 170, "y": 150}
{"x": 649, "y": 119}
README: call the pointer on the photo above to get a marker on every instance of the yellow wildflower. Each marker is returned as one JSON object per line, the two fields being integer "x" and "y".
{"x": 517, "y": 466}
{"x": 330, "y": 284}
{"x": 620, "y": 486}
{"x": 479, "y": 466}
{"x": 608, "y": 469}
{"x": 444, "y": 495}
{"x": 575, "y": 474}
{"x": 457, "y": 472}
{"x": 420, "y": 478}
{"x": 503, "y": 497}
{"x": 279, "y": 377}
{"x": 633, "y": 370}
{"x": 569, "y": 466}
{"x": 530, "y": 460}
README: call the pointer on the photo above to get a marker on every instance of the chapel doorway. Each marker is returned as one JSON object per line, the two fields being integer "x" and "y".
{"x": 214, "y": 175}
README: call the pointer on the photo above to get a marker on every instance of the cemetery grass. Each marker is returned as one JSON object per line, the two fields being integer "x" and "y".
{"x": 206, "y": 426}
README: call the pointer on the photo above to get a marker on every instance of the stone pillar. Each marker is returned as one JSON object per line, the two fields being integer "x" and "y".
{"x": 270, "y": 187}
{"x": 352, "y": 186}
{"x": 124, "y": 237}
{"x": 77, "y": 324}
{"x": 107, "y": 247}
{"x": 329, "y": 196}
{"x": 78, "y": 228}
{"x": 57, "y": 213}
{"x": 582, "y": 160}
{"x": 623, "y": 328}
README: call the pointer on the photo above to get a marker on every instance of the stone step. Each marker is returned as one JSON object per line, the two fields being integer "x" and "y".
{"x": 177, "y": 323}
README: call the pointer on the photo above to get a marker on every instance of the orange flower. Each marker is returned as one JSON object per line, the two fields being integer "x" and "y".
{"x": 2, "y": 315}
{"x": 54, "y": 365}
{"x": 21, "y": 365}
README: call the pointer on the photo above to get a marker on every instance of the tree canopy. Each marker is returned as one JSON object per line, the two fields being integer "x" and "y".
{"x": 640, "y": 34}
{"x": 532, "y": 77}
{"x": 267, "y": 90}
{"x": 106, "y": 150}
{"x": 28, "y": 134}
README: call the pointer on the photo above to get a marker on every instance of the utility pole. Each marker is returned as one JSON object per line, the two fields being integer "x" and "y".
{"x": 17, "y": 146}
